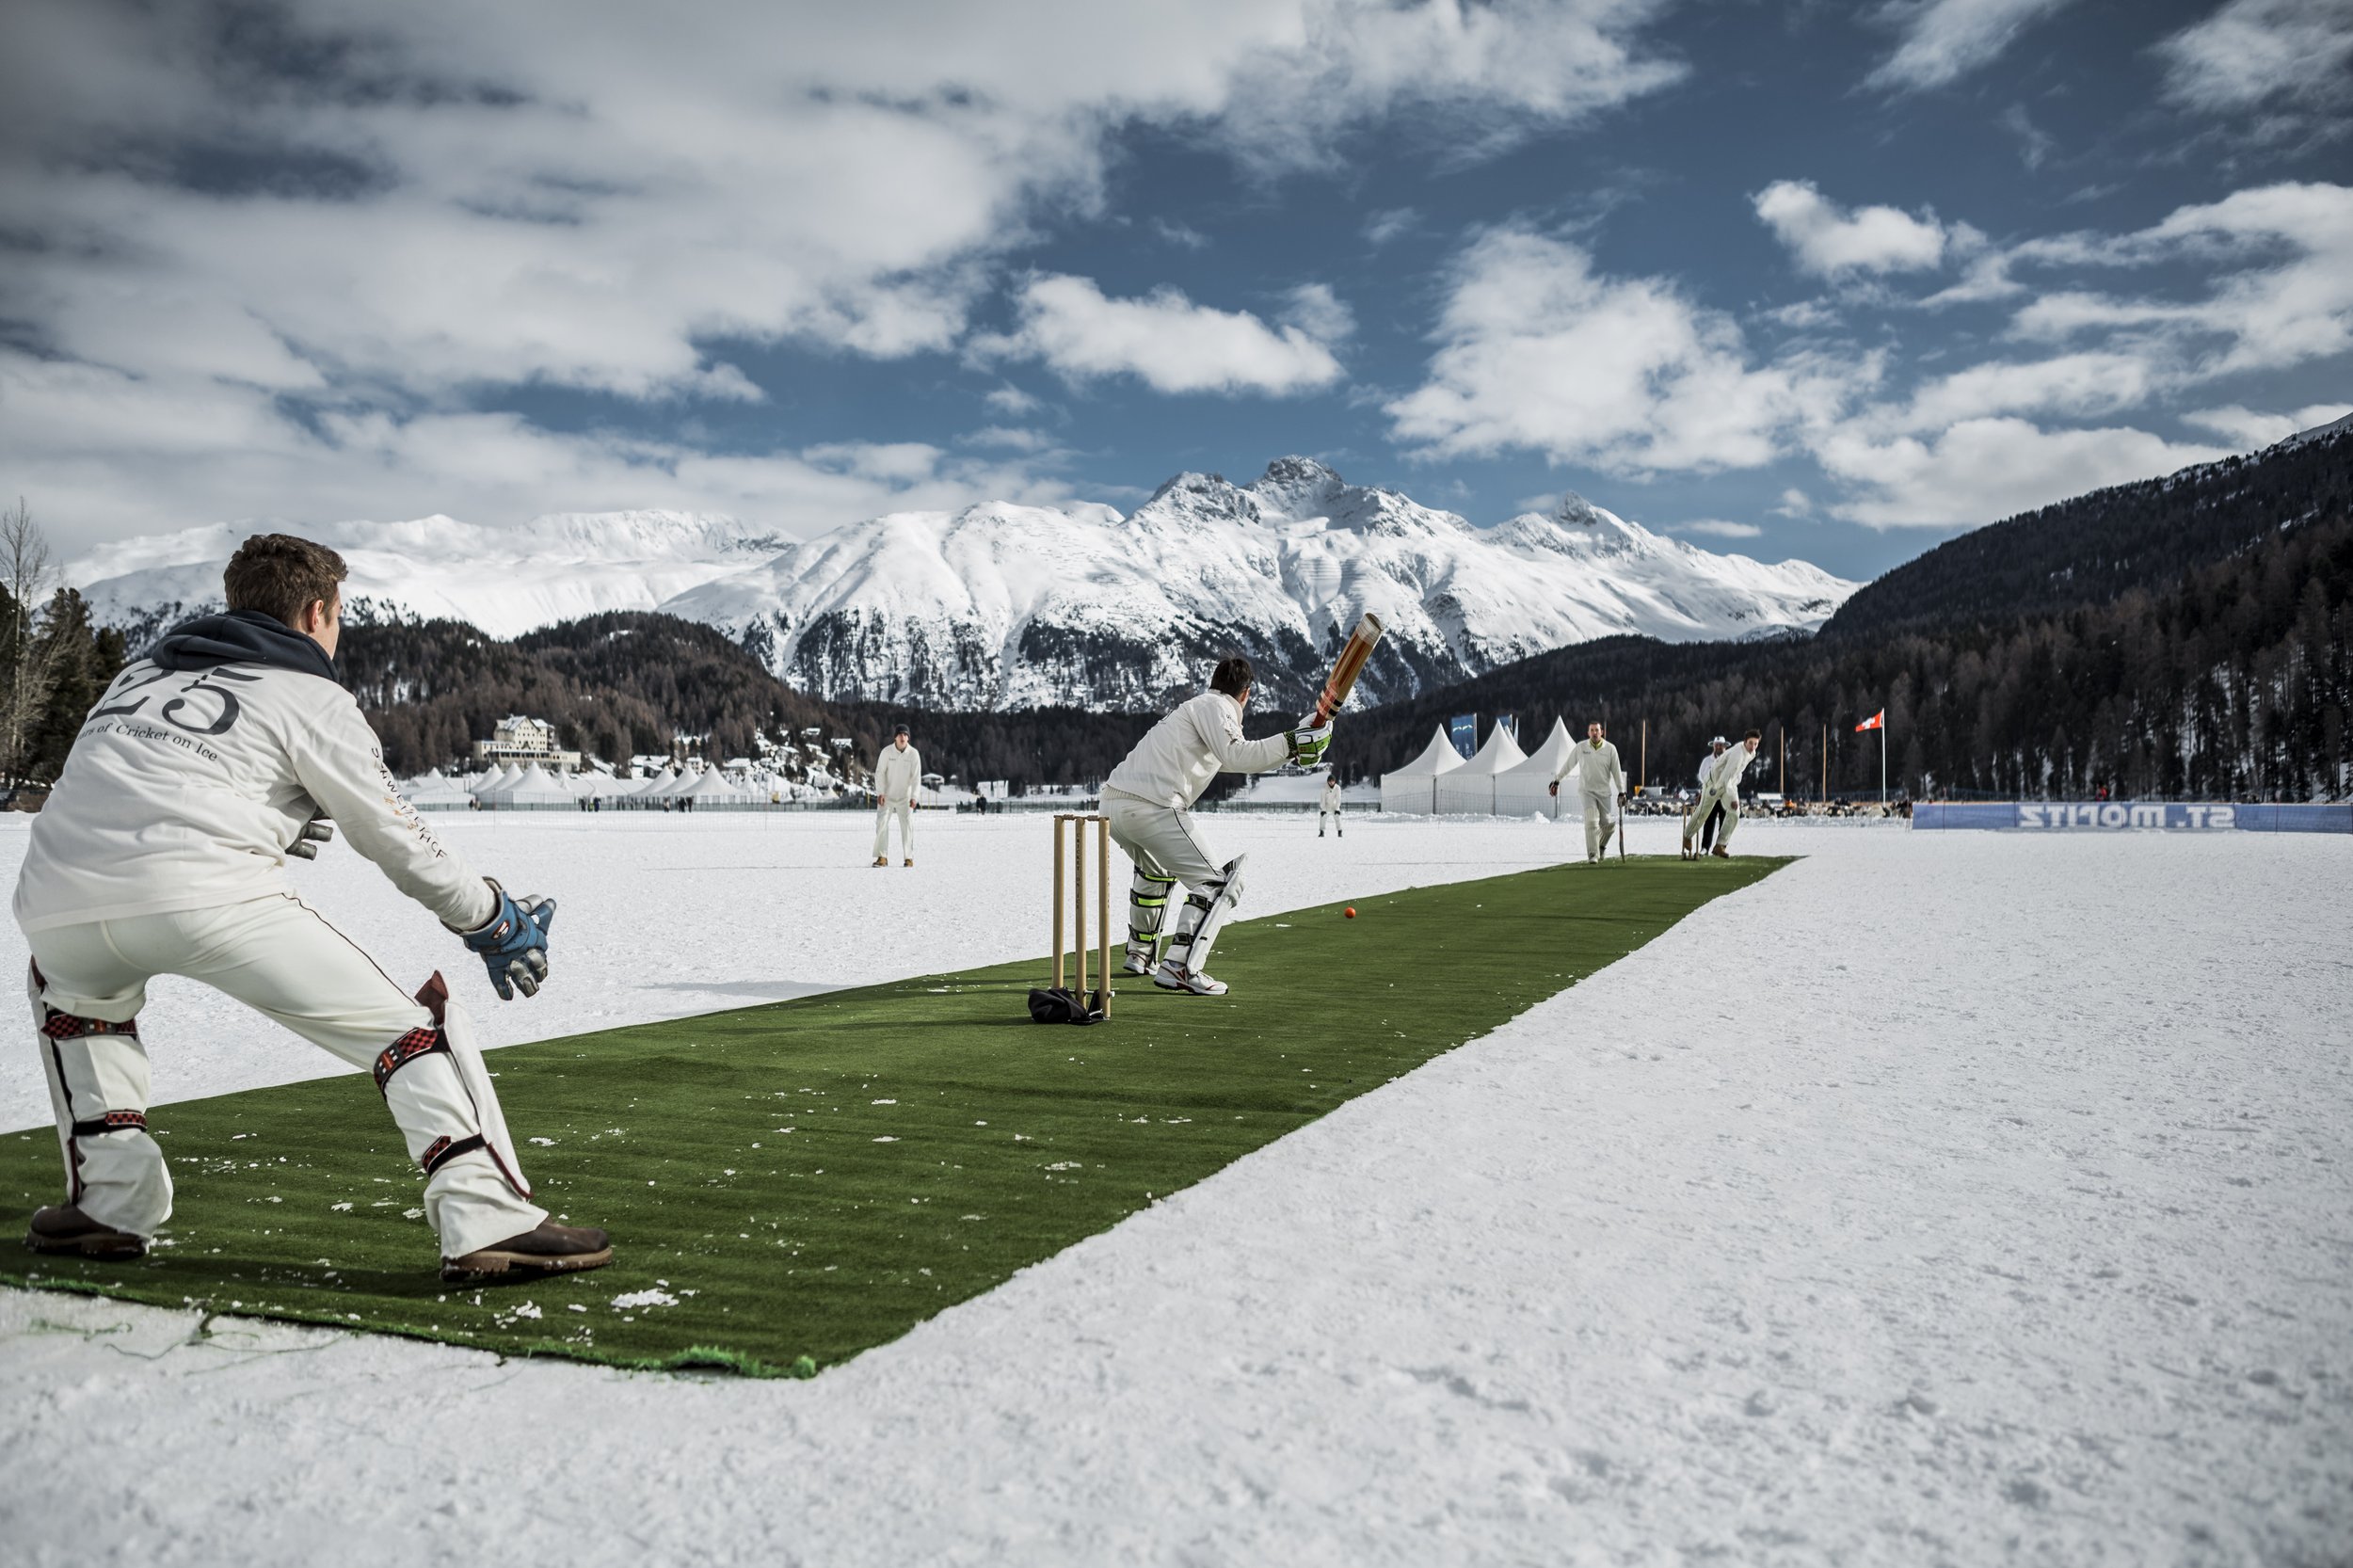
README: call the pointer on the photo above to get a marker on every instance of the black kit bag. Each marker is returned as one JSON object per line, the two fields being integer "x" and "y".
{"x": 1060, "y": 1005}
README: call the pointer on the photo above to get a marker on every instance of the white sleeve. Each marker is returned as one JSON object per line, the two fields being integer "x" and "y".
{"x": 341, "y": 766}
{"x": 1236, "y": 755}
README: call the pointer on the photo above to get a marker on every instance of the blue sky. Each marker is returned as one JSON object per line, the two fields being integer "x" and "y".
{"x": 1832, "y": 278}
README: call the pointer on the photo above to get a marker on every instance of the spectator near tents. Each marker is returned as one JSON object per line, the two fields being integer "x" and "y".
{"x": 1526, "y": 789}
{"x": 1414, "y": 788}
{"x": 1471, "y": 789}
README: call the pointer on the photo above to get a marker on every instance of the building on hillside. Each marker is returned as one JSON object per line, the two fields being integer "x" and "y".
{"x": 520, "y": 741}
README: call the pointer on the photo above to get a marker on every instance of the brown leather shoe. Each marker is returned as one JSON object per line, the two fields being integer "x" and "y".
{"x": 63, "y": 1228}
{"x": 553, "y": 1249}
{"x": 1720, "y": 853}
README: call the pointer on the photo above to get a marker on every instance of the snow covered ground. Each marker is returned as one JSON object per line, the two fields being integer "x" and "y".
{"x": 1944, "y": 1198}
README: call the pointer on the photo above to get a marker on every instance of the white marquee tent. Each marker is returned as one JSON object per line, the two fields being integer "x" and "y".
{"x": 1526, "y": 790}
{"x": 1469, "y": 790}
{"x": 1414, "y": 788}
{"x": 532, "y": 787}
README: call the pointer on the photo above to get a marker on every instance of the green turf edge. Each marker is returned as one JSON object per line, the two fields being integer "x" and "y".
{"x": 704, "y": 1358}
{"x": 694, "y": 1358}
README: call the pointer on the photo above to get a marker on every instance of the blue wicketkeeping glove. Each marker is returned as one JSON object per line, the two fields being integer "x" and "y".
{"x": 514, "y": 943}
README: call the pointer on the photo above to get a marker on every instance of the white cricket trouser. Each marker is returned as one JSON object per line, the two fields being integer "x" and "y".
{"x": 1708, "y": 801}
{"x": 1334, "y": 816}
{"x": 905, "y": 811}
{"x": 280, "y": 957}
{"x": 1161, "y": 842}
{"x": 1599, "y": 825}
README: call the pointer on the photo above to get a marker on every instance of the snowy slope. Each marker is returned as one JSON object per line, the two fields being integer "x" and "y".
{"x": 507, "y": 581}
{"x": 1004, "y": 606}
{"x": 1007, "y": 606}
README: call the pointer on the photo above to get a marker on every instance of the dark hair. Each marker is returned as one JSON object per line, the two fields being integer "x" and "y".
{"x": 1754, "y": 735}
{"x": 898, "y": 729}
{"x": 280, "y": 575}
{"x": 1232, "y": 675}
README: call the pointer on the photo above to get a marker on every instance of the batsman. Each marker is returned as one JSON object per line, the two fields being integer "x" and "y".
{"x": 1149, "y": 799}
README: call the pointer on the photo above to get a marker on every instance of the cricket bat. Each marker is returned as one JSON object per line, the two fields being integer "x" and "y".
{"x": 1350, "y": 664}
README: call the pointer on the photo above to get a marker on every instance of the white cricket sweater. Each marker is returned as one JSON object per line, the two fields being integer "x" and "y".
{"x": 1598, "y": 772}
{"x": 184, "y": 787}
{"x": 899, "y": 774}
{"x": 1178, "y": 755}
{"x": 1724, "y": 777}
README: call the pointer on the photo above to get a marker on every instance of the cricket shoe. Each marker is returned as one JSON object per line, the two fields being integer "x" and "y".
{"x": 1720, "y": 853}
{"x": 908, "y": 861}
{"x": 551, "y": 1249}
{"x": 882, "y": 859}
{"x": 1173, "y": 976}
{"x": 1139, "y": 962}
{"x": 63, "y": 1228}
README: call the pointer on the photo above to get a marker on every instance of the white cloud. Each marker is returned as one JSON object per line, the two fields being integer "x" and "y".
{"x": 1718, "y": 528}
{"x": 93, "y": 448}
{"x": 2254, "y": 54}
{"x": 1010, "y": 439}
{"x": 1828, "y": 242}
{"x": 1389, "y": 223}
{"x": 1795, "y": 502}
{"x": 386, "y": 207}
{"x": 1165, "y": 340}
{"x": 2283, "y": 294}
{"x": 1473, "y": 74}
{"x": 2077, "y": 386}
{"x": 1012, "y": 402}
{"x": 1539, "y": 352}
{"x": 1943, "y": 40}
{"x": 2248, "y": 431}
{"x": 1315, "y": 310}
{"x": 1982, "y": 469}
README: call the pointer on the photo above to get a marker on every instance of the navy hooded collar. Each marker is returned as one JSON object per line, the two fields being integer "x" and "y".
{"x": 241, "y": 637}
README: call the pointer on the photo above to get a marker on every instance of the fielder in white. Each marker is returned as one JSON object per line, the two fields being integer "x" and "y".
{"x": 1719, "y": 786}
{"x": 1330, "y": 810}
{"x": 1148, "y": 798}
{"x": 162, "y": 851}
{"x": 1600, "y": 777}
{"x": 898, "y": 779}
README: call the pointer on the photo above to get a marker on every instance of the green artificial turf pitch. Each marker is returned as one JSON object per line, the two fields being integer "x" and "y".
{"x": 791, "y": 1184}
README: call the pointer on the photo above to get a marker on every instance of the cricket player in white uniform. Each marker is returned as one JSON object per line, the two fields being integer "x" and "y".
{"x": 1330, "y": 810}
{"x": 162, "y": 851}
{"x": 1705, "y": 832}
{"x": 1721, "y": 786}
{"x": 897, "y": 778}
{"x": 1600, "y": 777}
{"x": 1148, "y": 798}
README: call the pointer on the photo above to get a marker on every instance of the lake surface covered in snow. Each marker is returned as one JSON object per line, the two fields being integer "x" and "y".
{"x": 1943, "y": 1197}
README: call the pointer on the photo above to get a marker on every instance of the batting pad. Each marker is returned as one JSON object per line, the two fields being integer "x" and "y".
{"x": 789, "y": 1185}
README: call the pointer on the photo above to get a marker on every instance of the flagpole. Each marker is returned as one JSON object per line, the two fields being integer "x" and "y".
{"x": 1882, "y": 757}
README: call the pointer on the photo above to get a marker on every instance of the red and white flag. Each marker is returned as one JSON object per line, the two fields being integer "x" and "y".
{"x": 1876, "y": 721}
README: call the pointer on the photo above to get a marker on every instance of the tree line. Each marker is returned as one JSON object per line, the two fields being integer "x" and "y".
{"x": 2234, "y": 681}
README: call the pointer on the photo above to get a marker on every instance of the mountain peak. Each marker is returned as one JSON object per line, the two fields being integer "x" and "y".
{"x": 1296, "y": 471}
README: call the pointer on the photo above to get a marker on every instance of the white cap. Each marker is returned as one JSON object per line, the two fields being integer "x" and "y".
{"x": 1720, "y": 741}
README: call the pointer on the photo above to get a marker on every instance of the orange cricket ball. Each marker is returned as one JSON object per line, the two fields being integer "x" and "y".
{"x": 1350, "y": 911}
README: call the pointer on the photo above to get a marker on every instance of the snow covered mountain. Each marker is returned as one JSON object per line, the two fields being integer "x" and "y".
{"x": 1007, "y": 606}
{"x": 1004, "y": 606}
{"x": 507, "y": 581}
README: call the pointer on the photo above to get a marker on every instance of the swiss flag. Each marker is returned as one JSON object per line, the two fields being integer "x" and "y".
{"x": 1876, "y": 721}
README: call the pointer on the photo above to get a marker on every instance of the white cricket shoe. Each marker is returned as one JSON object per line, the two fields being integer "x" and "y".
{"x": 1173, "y": 976}
{"x": 1139, "y": 960}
